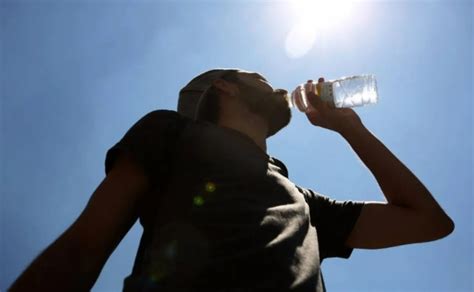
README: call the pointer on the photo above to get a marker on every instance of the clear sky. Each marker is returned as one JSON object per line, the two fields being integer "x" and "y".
{"x": 75, "y": 75}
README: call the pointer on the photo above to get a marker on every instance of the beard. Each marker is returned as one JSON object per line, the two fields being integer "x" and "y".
{"x": 273, "y": 107}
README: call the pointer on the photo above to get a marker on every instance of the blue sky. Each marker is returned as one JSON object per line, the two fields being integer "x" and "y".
{"x": 75, "y": 75}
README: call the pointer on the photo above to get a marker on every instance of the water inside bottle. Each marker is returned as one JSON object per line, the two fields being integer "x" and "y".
{"x": 344, "y": 92}
{"x": 355, "y": 91}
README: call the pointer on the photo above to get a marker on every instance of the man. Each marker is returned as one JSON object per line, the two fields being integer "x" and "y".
{"x": 219, "y": 213}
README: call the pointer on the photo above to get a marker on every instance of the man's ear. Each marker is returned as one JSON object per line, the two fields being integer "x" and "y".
{"x": 226, "y": 87}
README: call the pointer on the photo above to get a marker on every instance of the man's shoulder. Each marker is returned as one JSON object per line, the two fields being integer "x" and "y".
{"x": 163, "y": 117}
{"x": 164, "y": 114}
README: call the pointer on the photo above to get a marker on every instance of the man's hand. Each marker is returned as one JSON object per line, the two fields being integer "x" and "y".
{"x": 324, "y": 114}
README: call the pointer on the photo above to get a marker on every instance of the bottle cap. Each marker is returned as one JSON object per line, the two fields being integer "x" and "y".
{"x": 298, "y": 99}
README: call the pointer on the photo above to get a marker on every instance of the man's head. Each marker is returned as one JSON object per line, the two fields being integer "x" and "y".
{"x": 203, "y": 97}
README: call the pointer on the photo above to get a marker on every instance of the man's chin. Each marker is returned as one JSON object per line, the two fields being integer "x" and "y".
{"x": 279, "y": 121}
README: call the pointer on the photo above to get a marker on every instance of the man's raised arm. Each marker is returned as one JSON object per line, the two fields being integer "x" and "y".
{"x": 411, "y": 214}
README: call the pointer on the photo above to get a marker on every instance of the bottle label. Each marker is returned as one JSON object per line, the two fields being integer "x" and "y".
{"x": 327, "y": 93}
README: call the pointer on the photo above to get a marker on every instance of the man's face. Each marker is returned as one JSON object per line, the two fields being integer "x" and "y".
{"x": 262, "y": 99}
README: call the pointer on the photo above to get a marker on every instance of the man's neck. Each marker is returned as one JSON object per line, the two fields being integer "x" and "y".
{"x": 248, "y": 124}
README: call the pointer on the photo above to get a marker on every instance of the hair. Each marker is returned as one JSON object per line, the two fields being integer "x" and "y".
{"x": 209, "y": 107}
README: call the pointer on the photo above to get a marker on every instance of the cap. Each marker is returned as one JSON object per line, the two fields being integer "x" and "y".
{"x": 190, "y": 96}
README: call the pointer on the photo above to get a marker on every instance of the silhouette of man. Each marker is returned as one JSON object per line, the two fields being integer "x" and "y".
{"x": 219, "y": 213}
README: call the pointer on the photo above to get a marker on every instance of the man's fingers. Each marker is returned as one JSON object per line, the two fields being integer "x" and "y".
{"x": 314, "y": 100}
{"x": 319, "y": 84}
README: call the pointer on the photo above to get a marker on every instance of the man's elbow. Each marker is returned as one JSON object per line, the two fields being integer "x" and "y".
{"x": 443, "y": 227}
{"x": 449, "y": 227}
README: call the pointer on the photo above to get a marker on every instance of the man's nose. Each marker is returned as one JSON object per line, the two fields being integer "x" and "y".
{"x": 281, "y": 91}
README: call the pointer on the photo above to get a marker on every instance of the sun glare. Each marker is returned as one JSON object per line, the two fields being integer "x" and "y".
{"x": 311, "y": 17}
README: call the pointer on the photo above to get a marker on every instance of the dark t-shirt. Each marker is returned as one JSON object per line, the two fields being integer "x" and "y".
{"x": 223, "y": 215}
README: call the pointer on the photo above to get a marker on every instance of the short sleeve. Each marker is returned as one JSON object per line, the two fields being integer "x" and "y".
{"x": 334, "y": 220}
{"x": 146, "y": 141}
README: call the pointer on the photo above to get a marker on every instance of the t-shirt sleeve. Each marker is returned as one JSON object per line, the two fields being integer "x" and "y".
{"x": 334, "y": 220}
{"x": 146, "y": 142}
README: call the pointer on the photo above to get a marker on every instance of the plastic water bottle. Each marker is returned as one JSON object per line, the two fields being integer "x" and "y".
{"x": 344, "y": 92}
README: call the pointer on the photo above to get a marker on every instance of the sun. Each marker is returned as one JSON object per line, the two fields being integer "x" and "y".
{"x": 312, "y": 17}
{"x": 322, "y": 13}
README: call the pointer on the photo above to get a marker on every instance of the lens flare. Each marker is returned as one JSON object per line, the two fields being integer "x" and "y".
{"x": 210, "y": 187}
{"x": 198, "y": 201}
{"x": 312, "y": 18}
